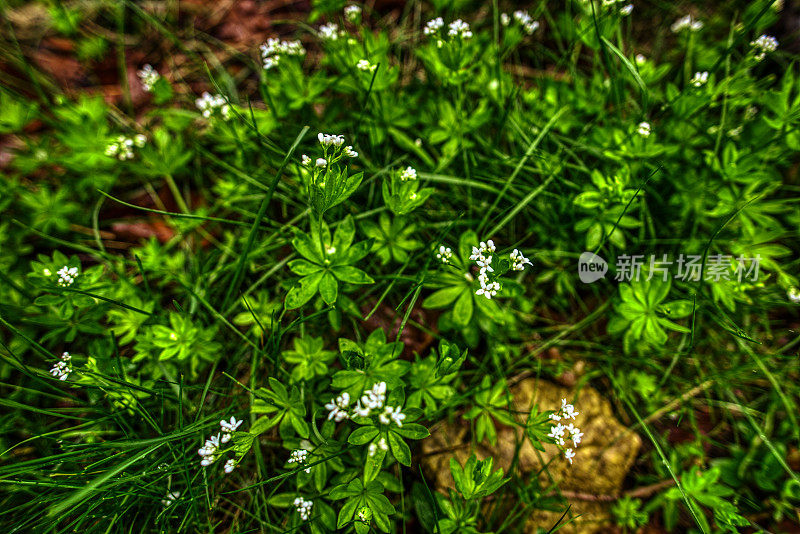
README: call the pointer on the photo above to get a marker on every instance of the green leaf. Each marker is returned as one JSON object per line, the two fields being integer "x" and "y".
{"x": 352, "y": 275}
{"x": 343, "y": 237}
{"x": 412, "y": 431}
{"x": 328, "y": 288}
{"x": 305, "y": 245}
{"x": 444, "y": 297}
{"x": 303, "y": 291}
{"x": 303, "y": 267}
{"x": 363, "y": 435}
{"x": 400, "y": 449}
{"x": 462, "y": 312}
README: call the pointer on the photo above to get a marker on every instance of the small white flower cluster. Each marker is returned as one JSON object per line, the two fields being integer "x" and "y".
{"x": 793, "y": 294}
{"x": 763, "y": 45}
{"x": 148, "y": 76}
{"x": 518, "y": 261}
{"x": 365, "y": 65}
{"x": 488, "y": 289}
{"x": 373, "y": 447}
{"x": 303, "y": 508}
{"x": 62, "y": 368}
{"x": 352, "y": 13}
{"x": 392, "y": 414}
{"x": 686, "y": 22}
{"x": 524, "y": 20}
{"x": 643, "y": 129}
{"x": 409, "y": 173}
{"x": 209, "y": 451}
{"x": 211, "y": 104}
{"x": 558, "y": 431}
{"x": 329, "y": 140}
{"x": 482, "y": 256}
{"x": 170, "y": 498}
{"x": 338, "y": 407}
{"x": 459, "y": 28}
{"x": 456, "y": 29}
{"x": 373, "y": 399}
{"x": 274, "y": 49}
{"x": 300, "y": 457}
{"x": 445, "y": 254}
{"x": 433, "y": 26}
{"x": 329, "y": 32}
{"x": 67, "y": 275}
{"x": 699, "y": 79}
{"x": 122, "y": 147}
{"x": 626, "y": 10}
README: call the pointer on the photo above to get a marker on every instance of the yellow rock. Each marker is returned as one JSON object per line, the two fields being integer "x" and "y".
{"x": 603, "y": 458}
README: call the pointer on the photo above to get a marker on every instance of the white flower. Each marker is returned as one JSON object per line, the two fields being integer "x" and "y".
{"x": 170, "y": 498}
{"x": 338, "y": 406}
{"x": 299, "y": 456}
{"x": 213, "y": 104}
{"x": 575, "y": 434}
{"x": 62, "y": 368}
{"x": 329, "y": 32}
{"x": 321, "y": 162}
{"x": 793, "y": 294}
{"x": 373, "y": 447}
{"x": 122, "y": 148}
{"x": 640, "y": 59}
{"x": 209, "y": 450}
{"x": 643, "y": 129}
{"x": 271, "y": 62}
{"x": 373, "y": 399}
{"x": 303, "y": 508}
{"x": 763, "y": 45}
{"x": 557, "y": 433}
{"x": 518, "y": 261}
{"x": 626, "y": 10}
{"x": 139, "y": 140}
{"x": 409, "y": 173}
{"x": 445, "y": 254}
{"x": 488, "y": 290}
{"x": 273, "y": 49}
{"x": 699, "y": 79}
{"x": 361, "y": 411}
{"x": 228, "y": 427}
{"x": 504, "y": 19}
{"x": 67, "y": 275}
{"x": 459, "y": 28}
{"x": 148, "y": 76}
{"x": 305, "y": 160}
{"x": 568, "y": 410}
{"x": 330, "y": 139}
{"x": 569, "y": 454}
{"x": 392, "y": 414}
{"x": 349, "y": 152}
{"x": 526, "y": 21}
{"x": 686, "y": 22}
{"x": 365, "y": 65}
{"x": 433, "y": 26}
{"x": 352, "y": 13}
{"x": 229, "y": 466}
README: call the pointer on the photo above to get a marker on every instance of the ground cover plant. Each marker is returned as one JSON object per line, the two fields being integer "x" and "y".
{"x": 245, "y": 282}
